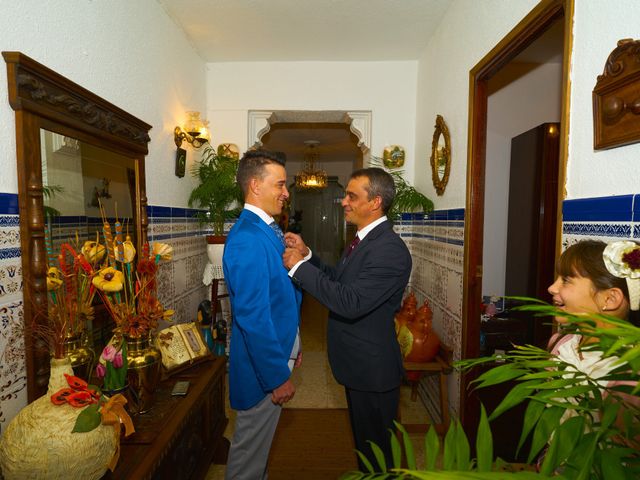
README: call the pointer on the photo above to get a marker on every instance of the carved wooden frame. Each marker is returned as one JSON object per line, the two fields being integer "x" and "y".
{"x": 616, "y": 98}
{"x": 44, "y": 99}
{"x": 440, "y": 129}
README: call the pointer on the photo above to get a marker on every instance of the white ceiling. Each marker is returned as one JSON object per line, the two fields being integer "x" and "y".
{"x": 298, "y": 30}
{"x": 320, "y": 30}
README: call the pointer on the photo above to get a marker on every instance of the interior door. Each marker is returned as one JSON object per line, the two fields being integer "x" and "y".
{"x": 533, "y": 191}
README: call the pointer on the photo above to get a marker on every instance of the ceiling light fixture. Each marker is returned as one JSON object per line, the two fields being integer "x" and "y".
{"x": 310, "y": 177}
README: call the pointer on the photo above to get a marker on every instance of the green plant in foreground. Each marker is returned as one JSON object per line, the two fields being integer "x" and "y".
{"x": 586, "y": 426}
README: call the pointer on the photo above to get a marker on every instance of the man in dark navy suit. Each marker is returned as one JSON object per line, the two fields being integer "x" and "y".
{"x": 363, "y": 293}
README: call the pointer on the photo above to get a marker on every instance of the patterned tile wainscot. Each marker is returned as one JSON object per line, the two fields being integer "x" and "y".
{"x": 602, "y": 218}
{"x": 180, "y": 281}
{"x": 13, "y": 386}
{"x": 436, "y": 246}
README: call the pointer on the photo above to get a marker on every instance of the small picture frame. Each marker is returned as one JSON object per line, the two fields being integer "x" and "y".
{"x": 181, "y": 162}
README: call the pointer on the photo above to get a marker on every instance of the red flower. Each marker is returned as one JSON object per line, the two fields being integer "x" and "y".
{"x": 76, "y": 383}
{"x": 80, "y": 399}
{"x": 632, "y": 259}
{"x": 61, "y": 396}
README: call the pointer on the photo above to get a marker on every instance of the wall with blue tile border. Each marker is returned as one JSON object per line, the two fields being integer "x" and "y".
{"x": 436, "y": 243}
{"x": 603, "y": 218}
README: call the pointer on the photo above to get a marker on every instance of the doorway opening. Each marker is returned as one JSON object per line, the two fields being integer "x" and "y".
{"x": 316, "y": 213}
{"x": 486, "y": 249}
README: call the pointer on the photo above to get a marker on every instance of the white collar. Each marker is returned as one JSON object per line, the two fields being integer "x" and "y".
{"x": 264, "y": 216}
{"x": 363, "y": 233}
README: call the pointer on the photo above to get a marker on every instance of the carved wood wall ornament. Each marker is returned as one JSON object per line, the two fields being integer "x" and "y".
{"x": 616, "y": 98}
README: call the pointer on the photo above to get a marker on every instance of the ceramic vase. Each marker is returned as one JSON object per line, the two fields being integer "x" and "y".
{"x": 407, "y": 312}
{"x": 143, "y": 373}
{"x": 39, "y": 443}
{"x": 425, "y": 342}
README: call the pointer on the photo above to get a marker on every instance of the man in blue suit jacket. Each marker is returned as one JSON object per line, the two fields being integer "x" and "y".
{"x": 266, "y": 313}
{"x": 363, "y": 293}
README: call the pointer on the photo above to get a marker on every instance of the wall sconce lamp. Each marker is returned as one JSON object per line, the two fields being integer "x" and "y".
{"x": 194, "y": 132}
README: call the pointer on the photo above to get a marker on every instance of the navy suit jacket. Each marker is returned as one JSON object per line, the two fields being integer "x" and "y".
{"x": 363, "y": 293}
{"x": 266, "y": 311}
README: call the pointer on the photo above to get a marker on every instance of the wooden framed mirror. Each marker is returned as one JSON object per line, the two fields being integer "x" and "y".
{"x": 68, "y": 136}
{"x": 440, "y": 155}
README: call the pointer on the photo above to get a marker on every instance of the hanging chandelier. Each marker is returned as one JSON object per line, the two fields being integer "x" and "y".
{"x": 310, "y": 177}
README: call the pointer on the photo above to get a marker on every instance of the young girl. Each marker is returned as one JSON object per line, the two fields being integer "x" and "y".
{"x": 595, "y": 277}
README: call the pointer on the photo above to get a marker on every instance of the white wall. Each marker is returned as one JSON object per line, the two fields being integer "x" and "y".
{"x": 387, "y": 89}
{"x": 469, "y": 30}
{"x": 599, "y": 24}
{"x": 525, "y": 103}
{"x": 129, "y": 53}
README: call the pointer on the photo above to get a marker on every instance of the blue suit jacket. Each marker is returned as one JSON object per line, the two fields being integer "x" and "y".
{"x": 266, "y": 311}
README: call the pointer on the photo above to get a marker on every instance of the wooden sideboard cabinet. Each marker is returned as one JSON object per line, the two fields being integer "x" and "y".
{"x": 179, "y": 437}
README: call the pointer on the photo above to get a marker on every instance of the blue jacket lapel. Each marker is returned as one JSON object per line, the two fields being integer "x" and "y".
{"x": 268, "y": 231}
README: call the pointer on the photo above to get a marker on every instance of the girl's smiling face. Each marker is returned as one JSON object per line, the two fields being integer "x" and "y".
{"x": 575, "y": 294}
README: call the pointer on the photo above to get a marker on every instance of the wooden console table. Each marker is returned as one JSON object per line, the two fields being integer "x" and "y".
{"x": 179, "y": 437}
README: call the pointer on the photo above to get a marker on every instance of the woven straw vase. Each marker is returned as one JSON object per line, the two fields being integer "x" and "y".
{"x": 38, "y": 442}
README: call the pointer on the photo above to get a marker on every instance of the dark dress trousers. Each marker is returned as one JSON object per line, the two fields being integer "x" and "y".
{"x": 363, "y": 293}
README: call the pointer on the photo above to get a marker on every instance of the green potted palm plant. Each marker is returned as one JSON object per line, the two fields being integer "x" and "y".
{"x": 219, "y": 197}
{"x": 408, "y": 199}
{"x": 582, "y": 424}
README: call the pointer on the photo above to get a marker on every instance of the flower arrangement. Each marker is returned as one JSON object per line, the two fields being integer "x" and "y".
{"x": 129, "y": 290}
{"x": 70, "y": 292}
{"x": 112, "y": 365}
{"x": 99, "y": 409}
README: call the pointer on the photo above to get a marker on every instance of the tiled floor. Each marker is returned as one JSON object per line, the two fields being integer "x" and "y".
{"x": 315, "y": 385}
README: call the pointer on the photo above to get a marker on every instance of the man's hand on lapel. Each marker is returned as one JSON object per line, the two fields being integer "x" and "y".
{"x": 283, "y": 393}
{"x": 290, "y": 257}
{"x": 293, "y": 240}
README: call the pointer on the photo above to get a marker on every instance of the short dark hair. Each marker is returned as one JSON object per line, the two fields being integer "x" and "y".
{"x": 252, "y": 165}
{"x": 380, "y": 184}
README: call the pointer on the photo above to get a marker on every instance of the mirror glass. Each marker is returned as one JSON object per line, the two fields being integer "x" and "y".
{"x": 440, "y": 155}
{"x": 441, "y": 158}
{"x": 78, "y": 178}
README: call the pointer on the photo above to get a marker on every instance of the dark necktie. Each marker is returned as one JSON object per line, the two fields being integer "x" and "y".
{"x": 274, "y": 226}
{"x": 353, "y": 245}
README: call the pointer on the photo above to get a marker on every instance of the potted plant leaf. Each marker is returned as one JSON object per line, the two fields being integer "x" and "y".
{"x": 408, "y": 199}
{"x": 219, "y": 197}
{"x": 583, "y": 424}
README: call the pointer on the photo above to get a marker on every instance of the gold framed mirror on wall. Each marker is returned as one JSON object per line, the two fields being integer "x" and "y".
{"x": 70, "y": 138}
{"x": 440, "y": 155}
